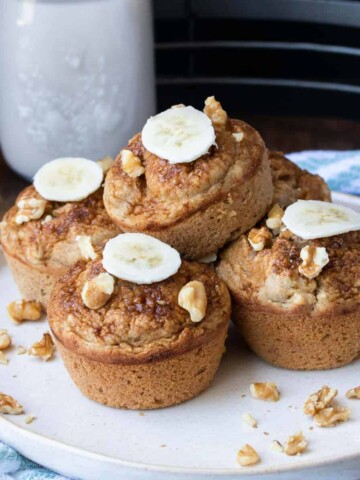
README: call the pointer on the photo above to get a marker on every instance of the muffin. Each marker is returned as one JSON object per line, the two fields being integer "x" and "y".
{"x": 215, "y": 189}
{"x": 297, "y": 300}
{"x": 42, "y": 238}
{"x": 292, "y": 183}
{"x": 137, "y": 348}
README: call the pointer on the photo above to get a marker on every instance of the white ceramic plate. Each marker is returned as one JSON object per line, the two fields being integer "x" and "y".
{"x": 80, "y": 438}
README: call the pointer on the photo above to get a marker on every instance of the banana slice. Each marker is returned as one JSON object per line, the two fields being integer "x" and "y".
{"x": 68, "y": 179}
{"x": 139, "y": 258}
{"x": 179, "y": 135}
{"x": 311, "y": 219}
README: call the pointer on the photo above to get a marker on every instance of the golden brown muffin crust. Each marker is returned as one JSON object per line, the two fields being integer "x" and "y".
{"x": 168, "y": 193}
{"x": 140, "y": 322}
{"x": 46, "y": 243}
{"x": 270, "y": 279}
{"x": 291, "y": 183}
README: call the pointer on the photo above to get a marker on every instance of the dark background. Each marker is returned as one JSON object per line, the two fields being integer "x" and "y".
{"x": 289, "y": 67}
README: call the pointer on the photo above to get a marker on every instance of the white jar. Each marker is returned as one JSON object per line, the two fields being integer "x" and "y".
{"x": 76, "y": 78}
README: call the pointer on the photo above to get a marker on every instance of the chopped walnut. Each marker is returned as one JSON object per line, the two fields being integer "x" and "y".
{"x": 5, "y": 340}
{"x": 86, "y": 249}
{"x": 259, "y": 238}
{"x": 43, "y": 349}
{"x": 274, "y": 217}
{"x": 9, "y": 406}
{"x": 3, "y": 358}
{"x": 192, "y": 297}
{"x": 29, "y": 419}
{"x": 21, "y": 310}
{"x": 247, "y": 456}
{"x": 331, "y": 416}
{"x": 314, "y": 260}
{"x": 21, "y": 350}
{"x": 47, "y": 219}
{"x": 353, "y": 393}
{"x": 249, "y": 419}
{"x": 106, "y": 163}
{"x": 215, "y": 112}
{"x": 319, "y": 400}
{"x": 178, "y": 105}
{"x": 238, "y": 136}
{"x": 276, "y": 446}
{"x": 30, "y": 208}
{"x": 131, "y": 164}
{"x": 265, "y": 391}
{"x": 96, "y": 292}
{"x": 295, "y": 445}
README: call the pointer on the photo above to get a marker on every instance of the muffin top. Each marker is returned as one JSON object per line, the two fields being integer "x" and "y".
{"x": 153, "y": 193}
{"x": 291, "y": 183}
{"x": 273, "y": 278}
{"x": 50, "y": 239}
{"x": 139, "y": 322}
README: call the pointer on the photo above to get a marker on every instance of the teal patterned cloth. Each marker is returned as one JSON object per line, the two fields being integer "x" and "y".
{"x": 342, "y": 172}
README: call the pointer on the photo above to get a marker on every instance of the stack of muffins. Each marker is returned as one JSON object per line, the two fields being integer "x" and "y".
{"x": 134, "y": 260}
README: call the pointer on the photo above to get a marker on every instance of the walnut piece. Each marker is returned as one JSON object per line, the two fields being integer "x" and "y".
{"x": 106, "y": 163}
{"x": 296, "y": 444}
{"x": 353, "y": 392}
{"x": 96, "y": 292}
{"x": 43, "y": 349}
{"x": 259, "y": 238}
{"x": 86, "y": 249}
{"x": 5, "y": 340}
{"x": 9, "y": 405}
{"x": 238, "y": 136}
{"x": 247, "y": 456}
{"x": 215, "y": 112}
{"x": 265, "y": 391}
{"x": 276, "y": 446}
{"x": 30, "y": 208}
{"x": 274, "y": 217}
{"x": 331, "y": 416}
{"x": 314, "y": 260}
{"x": 29, "y": 419}
{"x": 21, "y": 350}
{"x": 319, "y": 400}
{"x": 131, "y": 164}
{"x": 3, "y": 358}
{"x": 249, "y": 419}
{"x": 192, "y": 297}
{"x": 21, "y": 310}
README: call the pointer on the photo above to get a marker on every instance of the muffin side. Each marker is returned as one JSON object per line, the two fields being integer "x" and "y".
{"x": 288, "y": 319}
{"x": 140, "y": 350}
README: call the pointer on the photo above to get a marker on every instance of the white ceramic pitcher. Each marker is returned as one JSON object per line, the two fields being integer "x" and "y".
{"x": 76, "y": 78}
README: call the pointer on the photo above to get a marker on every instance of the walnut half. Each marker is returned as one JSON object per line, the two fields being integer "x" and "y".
{"x": 265, "y": 391}
{"x": 5, "y": 340}
{"x": 295, "y": 445}
{"x": 43, "y": 349}
{"x": 247, "y": 455}
{"x": 215, "y": 112}
{"x": 192, "y": 297}
{"x": 21, "y": 310}
{"x": 331, "y": 416}
{"x": 319, "y": 400}
{"x": 353, "y": 393}
{"x": 259, "y": 238}
{"x": 314, "y": 260}
{"x": 131, "y": 164}
{"x": 9, "y": 406}
{"x": 96, "y": 292}
{"x": 30, "y": 208}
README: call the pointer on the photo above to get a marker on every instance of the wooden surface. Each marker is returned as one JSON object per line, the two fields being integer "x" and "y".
{"x": 282, "y": 133}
